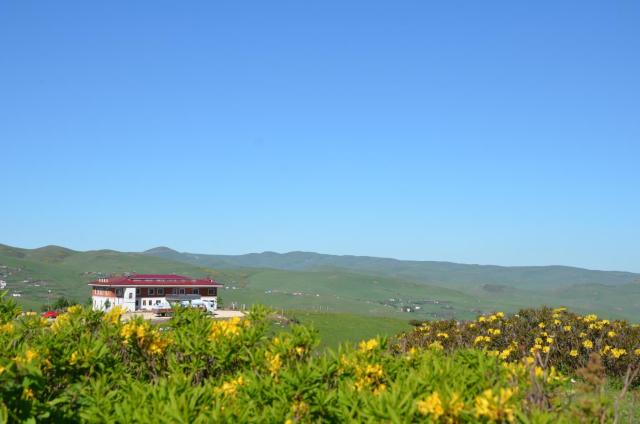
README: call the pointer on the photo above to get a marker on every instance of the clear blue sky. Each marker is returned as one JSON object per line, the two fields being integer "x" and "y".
{"x": 482, "y": 132}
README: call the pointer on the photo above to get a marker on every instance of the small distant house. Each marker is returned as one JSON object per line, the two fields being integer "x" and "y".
{"x": 144, "y": 291}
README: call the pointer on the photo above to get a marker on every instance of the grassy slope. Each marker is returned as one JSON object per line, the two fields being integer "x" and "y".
{"x": 337, "y": 328}
{"x": 440, "y": 273}
{"x": 333, "y": 291}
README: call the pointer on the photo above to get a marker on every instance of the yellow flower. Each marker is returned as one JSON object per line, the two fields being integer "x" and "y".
{"x": 482, "y": 339}
{"x": 582, "y": 335}
{"x": 443, "y": 335}
{"x": 2, "y": 369}
{"x": 436, "y": 345}
{"x": 482, "y": 319}
{"x": 546, "y": 349}
{"x": 573, "y": 353}
{"x": 74, "y": 357}
{"x": 588, "y": 344}
{"x": 541, "y": 325}
{"x": 494, "y": 331}
{"x": 274, "y": 363}
{"x": 567, "y": 328}
{"x": 637, "y": 352}
{"x": 369, "y": 345}
{"x": 431, "y": 406}
{"x": 617, "y": 353}
{"x": 494, "y": 407}
{"x": 299, "y": 350}
{"x": 114, "y": 314}
{"x": 7, "y": 328}
{"x": 538, "y": 371}
{"x": 505, "y": 354}
{"x": 74, "y": 309}
{"x": 550, "y": 340}
{"x": 611, "y": 334}
{"x": 228, "y": 328}
{"x": 557, "y": 322}
{"x": 230, "y": 388}
{"x": 590, "y": 318}
{"x": 500, "y": 314}
{"x": 27, "y": 393}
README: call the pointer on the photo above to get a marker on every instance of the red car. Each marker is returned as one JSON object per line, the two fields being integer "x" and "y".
{"x": 50, "y": 314}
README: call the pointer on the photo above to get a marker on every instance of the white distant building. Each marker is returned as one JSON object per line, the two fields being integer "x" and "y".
{"x": 143, "y": 292}
{"x": 3, "y": 284}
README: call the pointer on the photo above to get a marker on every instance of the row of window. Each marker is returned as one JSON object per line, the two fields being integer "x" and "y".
{"x": 160, "y": 292}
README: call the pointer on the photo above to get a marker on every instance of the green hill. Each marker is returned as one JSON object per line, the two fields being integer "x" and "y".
{"x": 441, "y": 273}
{"x": 329, "y": 288}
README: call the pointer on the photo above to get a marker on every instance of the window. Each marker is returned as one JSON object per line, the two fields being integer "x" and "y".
{"x": 181, "y": 291}
{"x": 130, "y": 295}
{"x": 144, "y": 303}
{"x": 118, "y": 292}
{"x": 212, "y": 291}
{"x": 138, "y": 291}
{"x": 152, "y": 292}
{"x": 174, "y": 290}
{"x": 195, "y": 291}
{"x": 157, "y": 302}
{"x": 160, "y": 292}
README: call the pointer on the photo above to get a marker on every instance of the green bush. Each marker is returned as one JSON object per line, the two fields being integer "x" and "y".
{"x": 89, "y": 366}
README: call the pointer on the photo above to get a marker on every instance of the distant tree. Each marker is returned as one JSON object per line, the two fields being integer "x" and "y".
{"x": 107, "y": 304}
{"x": 62, "y": 303}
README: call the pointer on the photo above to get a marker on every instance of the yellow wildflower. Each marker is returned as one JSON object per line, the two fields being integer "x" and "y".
{"x": 7, "y": 328}
{"x": 443, "y": 335}
{"x": 74, "y": 309}
{"x": 505, "y": 354}
{"x": 74, "y": 358}
{"x": 114, "y": 314}
{"x": 541, "y": 325}
{"x": 611, "y": 334}
{"x": 567, "y": 328}
{"x": 617, "y": 353}
{"x": 369, "y": 345}
{"x": 482, "y": 339}
{"x": 431, "y": 406}
{"x": 588, "y": 344}
{"x": 436, "y": 345}
{"x": 573, "y": 353}
{"x": 500, "y": 314}
{"x": 274, "y": 363}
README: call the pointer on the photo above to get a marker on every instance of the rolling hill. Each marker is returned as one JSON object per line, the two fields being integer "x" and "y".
{"x": 442, "y": 273}
{"x": 323, "y": 284}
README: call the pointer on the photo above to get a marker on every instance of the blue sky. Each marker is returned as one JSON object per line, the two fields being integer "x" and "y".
{"x": 482, "y": 132}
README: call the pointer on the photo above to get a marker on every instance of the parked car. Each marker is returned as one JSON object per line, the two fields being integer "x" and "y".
{"x": 50, "y": 314}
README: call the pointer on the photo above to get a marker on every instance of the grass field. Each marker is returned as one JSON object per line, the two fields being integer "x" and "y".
{"x": 337, "y": 328}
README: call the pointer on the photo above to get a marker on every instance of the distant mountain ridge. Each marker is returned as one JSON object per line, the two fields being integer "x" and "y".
{"x": 432, "y": 272}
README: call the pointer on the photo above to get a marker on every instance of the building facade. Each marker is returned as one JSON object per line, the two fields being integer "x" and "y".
{"x": 146, "y": 291}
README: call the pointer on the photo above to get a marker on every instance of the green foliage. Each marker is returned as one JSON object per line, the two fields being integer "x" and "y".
{"x": 557, "y": 337}
{"x": 89, "y": 366}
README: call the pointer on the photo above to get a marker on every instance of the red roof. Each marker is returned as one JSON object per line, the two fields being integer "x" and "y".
{"x": 155, "y": 280}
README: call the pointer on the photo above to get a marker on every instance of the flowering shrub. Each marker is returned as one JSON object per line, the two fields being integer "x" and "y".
{"x": 90, "y": 366}
{"x": 556, "y": 337}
